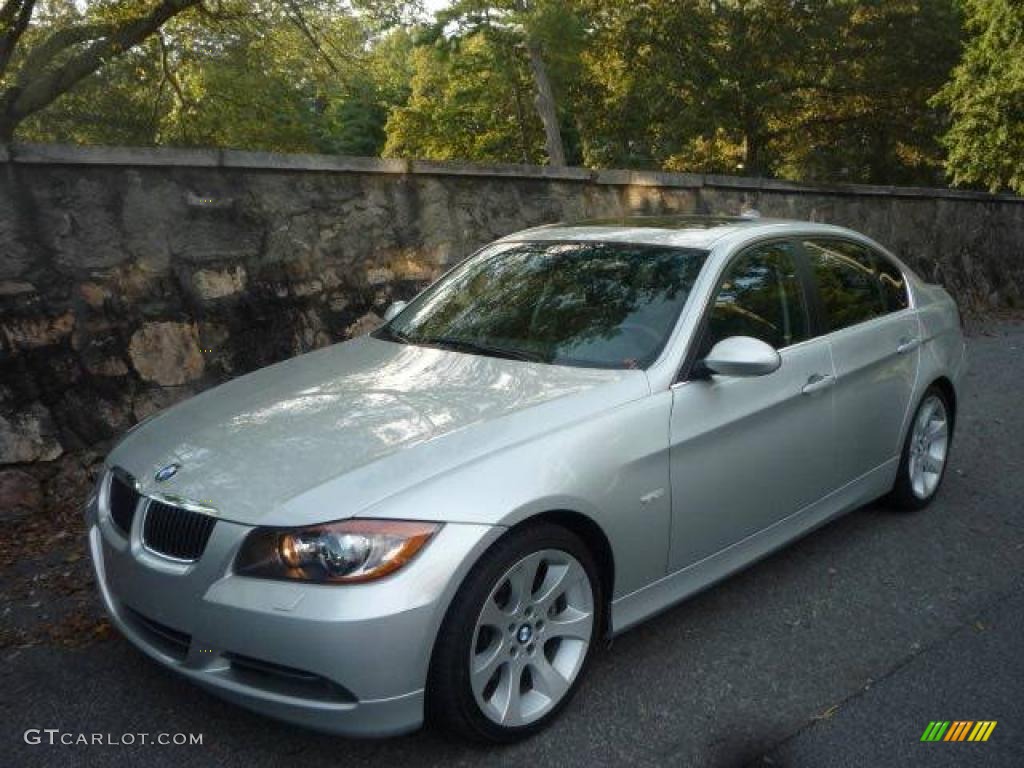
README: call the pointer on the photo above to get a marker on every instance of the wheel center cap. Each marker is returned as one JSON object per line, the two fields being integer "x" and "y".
{"x": 524, "y": 634}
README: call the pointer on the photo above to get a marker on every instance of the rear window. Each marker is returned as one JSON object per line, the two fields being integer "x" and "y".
{"x": 855, "y": 283}
{"x": 894, "y": 285}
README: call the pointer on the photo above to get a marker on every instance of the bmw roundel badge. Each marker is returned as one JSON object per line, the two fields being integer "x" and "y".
{"x": 166, "y": 473}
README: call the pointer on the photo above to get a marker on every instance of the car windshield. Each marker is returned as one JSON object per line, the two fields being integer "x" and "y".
{"x": 592, "y": 304}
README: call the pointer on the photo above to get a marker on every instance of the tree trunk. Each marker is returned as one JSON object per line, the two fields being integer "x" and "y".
{"x": 524, "y": 143}
{"x": 752, "y": 155}
{"x": 8, "y": 122}
{"x": 878, "y": 166}
{"x": 545, "y": 102}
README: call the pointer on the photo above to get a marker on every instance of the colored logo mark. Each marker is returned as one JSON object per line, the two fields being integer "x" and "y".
{"x": 958, "y": 730}
{"x": 166, "y": 473}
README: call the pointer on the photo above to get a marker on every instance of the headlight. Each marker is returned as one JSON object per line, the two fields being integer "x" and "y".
{"x": 343, "y": 553}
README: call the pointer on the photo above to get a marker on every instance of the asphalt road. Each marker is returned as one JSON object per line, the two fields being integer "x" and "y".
{"x": 836, "y": 651}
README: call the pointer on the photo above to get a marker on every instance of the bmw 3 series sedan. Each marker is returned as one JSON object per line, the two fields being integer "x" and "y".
{"x": 573, "y": 429}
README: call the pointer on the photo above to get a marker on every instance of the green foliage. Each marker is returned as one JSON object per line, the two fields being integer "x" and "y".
{"x": 309, "y": 76}
{"x": 868, "y": 118}
{"x": 353, "y": 122}
{"x": 476, "y": 80}
{"x": 470, "y": 102}
{"x": 46, "y": 54}
{"x": 86, "y": 115}
{"x": 986, "y": 99}
{"x": 833, "y": 90}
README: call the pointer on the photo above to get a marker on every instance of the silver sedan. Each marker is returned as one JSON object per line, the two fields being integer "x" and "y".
{"x": 570, "y": 431}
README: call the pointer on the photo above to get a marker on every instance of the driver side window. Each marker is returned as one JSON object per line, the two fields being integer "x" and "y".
{"x": 761, "y": 296}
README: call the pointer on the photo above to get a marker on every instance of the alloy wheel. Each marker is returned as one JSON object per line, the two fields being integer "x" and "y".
{"x": 929, "y": 446}
{"x": 531, "y": 638}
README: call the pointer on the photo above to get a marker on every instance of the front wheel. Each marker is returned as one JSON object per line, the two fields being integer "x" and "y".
{"x": 925, "y": 452}
{"x": 517, "y": 637}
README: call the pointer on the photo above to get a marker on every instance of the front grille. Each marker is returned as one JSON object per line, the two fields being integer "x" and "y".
{"x": 122, "y": 499}
{"x": 176, "y": 532}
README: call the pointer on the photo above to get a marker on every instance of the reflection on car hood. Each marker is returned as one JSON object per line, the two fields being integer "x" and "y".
{"x": 249, "y": 446}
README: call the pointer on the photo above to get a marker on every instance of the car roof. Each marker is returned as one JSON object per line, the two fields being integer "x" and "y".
{"x": 690, "y": 231}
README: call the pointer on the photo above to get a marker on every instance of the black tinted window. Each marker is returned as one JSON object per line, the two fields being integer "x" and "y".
{"x": 894, "y": 288}
{"x": 848, "y": 281}
{"x": 761, "y": 296}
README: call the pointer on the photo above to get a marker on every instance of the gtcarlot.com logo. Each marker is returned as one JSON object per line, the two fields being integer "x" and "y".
{"x": 958, "y": 730}
{"x": 55, "y": 737}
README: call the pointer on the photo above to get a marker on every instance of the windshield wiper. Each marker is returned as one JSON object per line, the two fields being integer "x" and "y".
{"x": 390, "y": 334}
{"x": 478, "y": 347}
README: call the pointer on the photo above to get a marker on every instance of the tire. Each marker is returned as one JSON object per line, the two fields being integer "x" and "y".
{"x": 543, "y": 577}
{"x": 915, "y": 489}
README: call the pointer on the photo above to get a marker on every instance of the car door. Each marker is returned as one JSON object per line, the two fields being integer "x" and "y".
{"x": 747, "y": 452}
{"x": 875, "y": 339}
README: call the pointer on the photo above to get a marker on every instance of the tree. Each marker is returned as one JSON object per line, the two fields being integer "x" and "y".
{"x": 35, "y": 73}
{"x": 467, "y": 102}
{"x": 807, "y": 89}
{"x": 536, "y": 30}
{"x": 985, "y": 97}
{"x": 640, "y": 96}
{"x": 262, "y": 74}
{"x": 803, "y": 89}
{"x": 698, "y": 81}
{"x": 354, "y": 121}
{"x": 869, "y": 117}
{"x": 277, "y": 75}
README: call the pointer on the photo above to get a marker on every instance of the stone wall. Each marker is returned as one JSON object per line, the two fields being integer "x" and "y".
{"x": 132, "y": 278}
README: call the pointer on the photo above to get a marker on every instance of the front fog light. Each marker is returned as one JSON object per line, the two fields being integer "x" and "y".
{"x": 349, "y": 551}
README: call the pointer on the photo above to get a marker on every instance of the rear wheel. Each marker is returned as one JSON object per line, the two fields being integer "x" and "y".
{"x": 925, "y": 452}
{"x": 517, "y": 637}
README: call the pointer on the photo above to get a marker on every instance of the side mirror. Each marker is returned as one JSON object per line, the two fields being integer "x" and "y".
{"x": 394, "y": 309}
{"x": 742, "y": 356}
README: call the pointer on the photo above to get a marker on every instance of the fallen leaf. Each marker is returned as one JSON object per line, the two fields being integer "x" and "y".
{"x": 827, "y": 714}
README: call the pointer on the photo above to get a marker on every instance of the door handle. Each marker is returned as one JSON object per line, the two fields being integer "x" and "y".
{"x": 817, "y": 382}
{"x": 907, "y": 344}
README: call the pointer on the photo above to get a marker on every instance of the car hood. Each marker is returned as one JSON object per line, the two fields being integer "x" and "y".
{"x": 381, "y": 415}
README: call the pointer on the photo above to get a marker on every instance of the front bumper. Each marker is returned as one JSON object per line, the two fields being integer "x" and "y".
{"x": 350, "y": 660}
